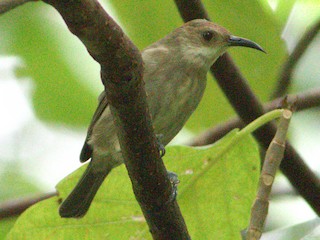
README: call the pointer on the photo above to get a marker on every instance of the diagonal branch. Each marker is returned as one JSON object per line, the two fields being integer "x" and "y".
{"x": 121, "y": 73}
{"x": 302, "y": 101}
{"x": 7, "y": 5}
{"x": 293, "y": 59}
{"x": 231, "y": 81}
{"x": 15, "y": 207}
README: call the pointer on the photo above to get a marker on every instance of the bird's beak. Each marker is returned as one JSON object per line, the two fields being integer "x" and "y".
{"x": 238, "y": 41}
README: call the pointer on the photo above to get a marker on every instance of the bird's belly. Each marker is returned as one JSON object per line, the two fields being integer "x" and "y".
{"x": 170, "y": 114}
{"x": 170, "y": 123}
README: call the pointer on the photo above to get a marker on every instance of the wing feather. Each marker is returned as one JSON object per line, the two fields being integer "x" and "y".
{"x": 86, "y": 151}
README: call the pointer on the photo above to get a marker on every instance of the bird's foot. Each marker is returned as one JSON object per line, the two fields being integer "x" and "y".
{"x": 173, "y": 177}
{"x": 161, "y": 147}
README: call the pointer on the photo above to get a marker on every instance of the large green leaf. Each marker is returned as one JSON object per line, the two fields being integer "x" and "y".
{"x": 280, "y": 9}
{"x": 283, "y": 10}
{"x": 5, "y": 226}
{"x": 147, "y": 21}
{"x": 218, "y": 185}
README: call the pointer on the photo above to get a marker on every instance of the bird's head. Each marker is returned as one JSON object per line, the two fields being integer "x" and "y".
{"x": 202, "y": 42}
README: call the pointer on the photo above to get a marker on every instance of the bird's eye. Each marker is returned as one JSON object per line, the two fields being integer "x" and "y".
{"x": 207, "y": 35}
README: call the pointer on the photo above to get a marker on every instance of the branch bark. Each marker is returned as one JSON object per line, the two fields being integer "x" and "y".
{"x": 273, "y": 158}
{"x": 13, "y": 208}
{"x": 231, "y": 81}
{"x": 302, "y": 101}
{"x": 121, "y": 74}
{"x": 7, "y": 5}
{"x": 293, "y": 59}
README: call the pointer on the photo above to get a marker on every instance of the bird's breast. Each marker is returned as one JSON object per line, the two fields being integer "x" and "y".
{"x": 172, "y": 100}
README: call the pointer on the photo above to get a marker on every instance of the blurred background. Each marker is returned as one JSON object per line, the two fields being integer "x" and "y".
{"x": 49, "y": 86}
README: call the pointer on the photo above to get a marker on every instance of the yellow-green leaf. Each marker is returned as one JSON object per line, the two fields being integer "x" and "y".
{"x": 217, "y": 187}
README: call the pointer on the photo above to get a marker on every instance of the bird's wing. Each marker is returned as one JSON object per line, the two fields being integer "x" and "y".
{"x": 86, "y": 151}
{"x": 155, "y": 55}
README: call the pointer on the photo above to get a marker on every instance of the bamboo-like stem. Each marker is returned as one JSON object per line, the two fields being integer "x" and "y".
{"x": 272, "y": 161}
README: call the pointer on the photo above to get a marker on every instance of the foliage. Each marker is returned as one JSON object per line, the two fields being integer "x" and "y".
{"x": 63, "y": 73}
{"x": 14, "y": 184}
{"x": 217, "y": 189}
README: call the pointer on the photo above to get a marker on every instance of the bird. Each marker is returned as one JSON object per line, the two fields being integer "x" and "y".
{"x": 175, "y": 70}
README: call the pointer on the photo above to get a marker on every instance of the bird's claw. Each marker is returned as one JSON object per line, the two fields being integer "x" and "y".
{"x": 173, "y": 177}
{"x": 161, "y": 147}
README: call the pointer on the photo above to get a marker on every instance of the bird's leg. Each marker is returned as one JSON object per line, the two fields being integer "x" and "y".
{"x": 161, "y": 147}
{"x": 173, "y": 177}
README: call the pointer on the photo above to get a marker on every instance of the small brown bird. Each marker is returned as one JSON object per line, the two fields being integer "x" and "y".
{"x": 175, "y": 79}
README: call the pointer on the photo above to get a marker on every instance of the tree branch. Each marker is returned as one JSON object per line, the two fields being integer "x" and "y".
{"x": 7, "y": 5}
{"x": 273, "y": 158}
{"x": 121, "y": 73}
{"x": 303, "y": 101}
{"x": 293, "y": 59}
{"x": 249, "y": 108}
{"x": 13, "y": 208}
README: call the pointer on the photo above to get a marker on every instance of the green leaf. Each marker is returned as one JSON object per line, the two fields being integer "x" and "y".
{"x": 280, "y": 9}
{"x": 14, "y": 183}
{"x": 283, "y": 10}
{"x": 6, "y": 225}
{"x": 217, "y": 204}
{"x": 59, "y": 96}
{"x": 148, "y": 21}
{"x": 218, "y": 185}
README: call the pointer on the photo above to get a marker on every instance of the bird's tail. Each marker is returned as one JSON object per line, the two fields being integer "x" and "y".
{"x": 79, "y": 200}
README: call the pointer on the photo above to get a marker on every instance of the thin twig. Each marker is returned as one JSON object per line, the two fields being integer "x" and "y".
{"x": 13, "y": 207}
{"x": 303, "y": 101}
{"x": 293, "y": 59}
{"x": 248, "y": 107}
{"x": 271, "y": 164}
